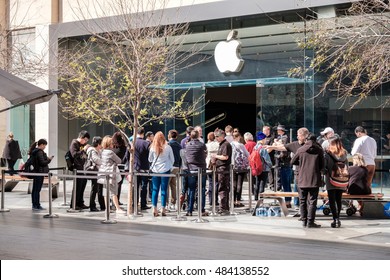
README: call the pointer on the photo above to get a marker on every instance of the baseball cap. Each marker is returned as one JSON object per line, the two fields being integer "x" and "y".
{"x": 327, "y": 130}
{"x": 260, "y": 136}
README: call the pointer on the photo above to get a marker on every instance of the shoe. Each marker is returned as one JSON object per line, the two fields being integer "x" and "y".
{"x": 94, "y": 210}
{"x": 145, "y": 207}
{"x": 156, "y": 214}
{"x": 188, "y": 214}
{"x": 239, "y": 205}
{"x": 336, "y": 223}
{"x": 163, "y": 214}
{"x": 39, "y": 208}
{"x": 222, "y": 212}
{"x": 78, "y": 208}
{"x": 304, "y": 223}
{"x": 120, "y": 203}
{"x": 313, "y": 225}
{"x": 84, "y": 206}
{"x": 120, "y": 211}
{"x": 204, "y": 213}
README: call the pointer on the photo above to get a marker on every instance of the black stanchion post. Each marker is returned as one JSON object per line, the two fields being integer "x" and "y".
{"x": 214, "y": 192}
{"x": 108, "y": 206}
{"x": 2, "y": 192}
{"x": 178, "y": 188}
{"x": 50, "y": 215}
{"x": 200, "y": 198}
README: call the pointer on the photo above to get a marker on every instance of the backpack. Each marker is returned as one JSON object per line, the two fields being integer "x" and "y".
{"x": 256, "y": 162}
{"x": 69, "y": 160}
{"x": 29, "y": 167}
{"x": 240, "y": 160}
{"x": 339, "y": 176}
{"x": 89, "y": 165}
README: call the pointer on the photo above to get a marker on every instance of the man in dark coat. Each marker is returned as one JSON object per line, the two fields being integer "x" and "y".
{"x": 310, "y": 159}
{"x": 11, "y": 151}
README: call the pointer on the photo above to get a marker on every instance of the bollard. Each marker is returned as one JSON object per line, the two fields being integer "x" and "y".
{"x": 73, "y": 209}
{"x": 50, "y": 215}
{"x": 214, "y": 192}
{"x": 2, "y": 192}
{"x": 108, "y": 208}
{"x": 179, "y": 217}
{"x": 232, "y": 191}
{"x": 64, "y": 188}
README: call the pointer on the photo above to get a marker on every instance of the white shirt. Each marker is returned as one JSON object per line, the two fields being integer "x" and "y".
{"x": 366, "y": 146}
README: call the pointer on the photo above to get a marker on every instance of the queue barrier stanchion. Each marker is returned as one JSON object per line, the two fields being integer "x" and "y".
{"x": 50, "y": 215}
{"x": 214, "y": 192}
{"x": 179, "y": 217}
{"x": 108, "y": 206}
{"x": 74, "y": 191}
{"x": 64, "y": 188}
{"x": 136, "y": 213}
{"x": 231, "y": 196}
{"x": 200, "y": 198}
{"x": 250, "y": 189}
{"x": 2, "y": 192}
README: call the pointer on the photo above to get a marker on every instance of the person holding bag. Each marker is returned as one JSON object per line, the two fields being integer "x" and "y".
{"x": 109, "y": 164}
{"x": 93, "y": 163}
{"x": 335, "y": 154}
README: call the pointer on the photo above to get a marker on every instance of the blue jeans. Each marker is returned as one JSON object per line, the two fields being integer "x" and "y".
{"x": 157, "y": 183}
{"x": 192, "y": 183}
{"x": 36, "y": 189}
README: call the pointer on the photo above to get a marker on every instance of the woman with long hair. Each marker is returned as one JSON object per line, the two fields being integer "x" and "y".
{"x": 334, "y": 154}
{"x": 109, "y": 164}
{"x": 161, "y": 160}
{"x": 41, "y": 165}
{"x": 119, "y": 148}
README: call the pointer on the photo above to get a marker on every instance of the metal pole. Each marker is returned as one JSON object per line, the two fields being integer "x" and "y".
{"x": 73, "y": 209}
{"x": 50, "y": 215}
{"x": 2, "y": 191}
{"x": 232, "y": 191}
{"x": 200, "y": 202}
{"x": 214, "y": 192}
{"x": 64, "y": 188}
{"x": 108, "y": 208}
{"x": 135, "y": 198}
{"x": 178, "y": 188}
{"x": 250, "y": 182}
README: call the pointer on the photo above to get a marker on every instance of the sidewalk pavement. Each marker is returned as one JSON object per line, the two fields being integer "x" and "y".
{"x": 354, "y": 229}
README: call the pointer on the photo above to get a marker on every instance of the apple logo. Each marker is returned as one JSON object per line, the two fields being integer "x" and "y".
{"x": 227, "y": 54}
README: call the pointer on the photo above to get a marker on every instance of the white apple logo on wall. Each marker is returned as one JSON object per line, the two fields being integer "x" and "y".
{"x": 227, "y": 54}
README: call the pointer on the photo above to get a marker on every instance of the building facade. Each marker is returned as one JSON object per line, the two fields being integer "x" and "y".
{"x": 259, "y": 94}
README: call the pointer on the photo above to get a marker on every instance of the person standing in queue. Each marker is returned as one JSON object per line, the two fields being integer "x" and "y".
{"x": 41, "y": 165}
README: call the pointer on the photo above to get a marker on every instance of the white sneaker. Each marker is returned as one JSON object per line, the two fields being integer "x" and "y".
{"x": 120, "y": 211}
{"x": 172, "y": 207}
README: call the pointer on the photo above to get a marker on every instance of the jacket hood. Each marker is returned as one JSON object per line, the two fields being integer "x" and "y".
{"x": 339, "y": 158}
{"x": 311, "y": 147}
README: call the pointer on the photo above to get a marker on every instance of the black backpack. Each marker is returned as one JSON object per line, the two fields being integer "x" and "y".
{"x": 30, "y": 166}
{"x": 69, "y": 160}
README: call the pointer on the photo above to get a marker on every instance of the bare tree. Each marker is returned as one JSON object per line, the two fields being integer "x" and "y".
{"x": 119, "y": 76}
{"x": 352, "y": 50}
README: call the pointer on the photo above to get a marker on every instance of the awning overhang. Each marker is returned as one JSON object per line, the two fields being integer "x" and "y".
{"x": 20, "y": 92}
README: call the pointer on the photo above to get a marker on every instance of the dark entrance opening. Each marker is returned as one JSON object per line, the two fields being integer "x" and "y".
{"x": 231, "y": 105}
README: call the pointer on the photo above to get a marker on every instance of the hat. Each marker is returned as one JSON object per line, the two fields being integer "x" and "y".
{"x": 327, "y": 130}
{"x": 281, "y": 127}
{"x": 260, "y": 136}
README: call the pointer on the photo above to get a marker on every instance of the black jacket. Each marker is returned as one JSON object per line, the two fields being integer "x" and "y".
{"x": 41, "y": 164}
{"x": 310, "y": 161}
{"x": 196, "y": 153}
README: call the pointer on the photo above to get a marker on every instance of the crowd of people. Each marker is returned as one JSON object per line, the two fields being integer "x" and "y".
{"x": 307, "y": 164}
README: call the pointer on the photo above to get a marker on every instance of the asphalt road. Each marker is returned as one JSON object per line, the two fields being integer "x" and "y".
{"x": 25, "y": 235}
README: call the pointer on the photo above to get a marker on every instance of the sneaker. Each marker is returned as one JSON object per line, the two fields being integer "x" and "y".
{"x": 313, "y": 225}
{"x": 222, "y": 212}
{"x": 172, "y": 207}
{"x": 39, "y": 208}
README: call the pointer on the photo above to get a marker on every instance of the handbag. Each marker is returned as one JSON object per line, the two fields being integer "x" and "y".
{"x": 3, "y": 162}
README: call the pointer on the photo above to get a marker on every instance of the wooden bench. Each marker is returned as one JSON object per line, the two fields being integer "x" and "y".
{"x": 11, "y": 182}
{"x": 371, "y": 212}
